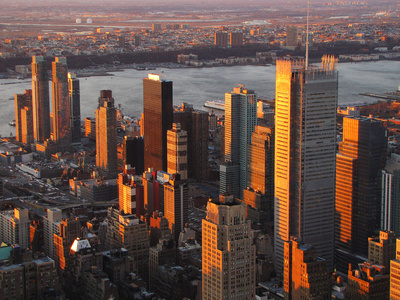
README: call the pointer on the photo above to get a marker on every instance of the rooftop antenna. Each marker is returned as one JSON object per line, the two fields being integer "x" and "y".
{"x": 308, "y": 16}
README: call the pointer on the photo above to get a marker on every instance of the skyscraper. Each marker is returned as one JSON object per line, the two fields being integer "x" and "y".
{"x": 236, "y": 39}
{"x": 221, "y": 39}
{"x": 291, "y": 36}
{"x": 40, "y": 99}
{"x": 228, "y": 251}
{"x": 157, "y": 109}
{"x": 176, "y": 203}
{"x": 305, "y": 149}
{"x": 61, "y": 107}
{"x": 240, "y": 120}
{"x": 23, "y": 102}
{"x": 361, "y": 158}
{"x": 15, "y": 227}
{"x": 195, "y": 123}
{"x": 74, "y": 107}
{"x": 177, "y": 145}
{"x": 106, "y": 135}
{"x": 394, "y": 274}
{"x": 260, "y": 162}
{"x": 305, "y": 274}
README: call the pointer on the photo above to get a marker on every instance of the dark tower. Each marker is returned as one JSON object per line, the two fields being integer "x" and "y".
{"x": 157, "y": 108}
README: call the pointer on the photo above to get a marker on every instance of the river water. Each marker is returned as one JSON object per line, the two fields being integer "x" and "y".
{"x": 195, "y": 86}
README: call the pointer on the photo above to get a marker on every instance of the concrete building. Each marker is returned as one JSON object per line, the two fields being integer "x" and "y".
{"x": 51, "y": 227}
{"x": 157, "y": 110}
{"x": 361, "y": 158}
{"x": 106, "y": 135}
{"x": 260, "y": 172}
{"x": 74, "y": 108}
{"x": 292, "y": 38}
{"x": 40, "y": 99}
{"x": 15, "y": 227}
{"x": 61, "y": 102}
{"x": 127, "y": 231}
{"x": 394, "y": 274}
{"x": 240, "y": 120}
{"x": 305, "y": 149}
{"x": 236, "y": 39}
{"x": 27, "y": 277}
{"x": 131, "y": 193}
{"x": 68, "y": 231}
{"x": 368, "y": 281}
{"x": 23, "y": 117}
{"x": 390, "y": 205}
{"x": 177, "y": 151}
{"x": 228, "y": 251}
{"x": 305, "y": 274}
{"x": 196, "y": 124}
{"x": 221, "y": 39}
{"x": 176, "y": 203}
{"x": 382, "y": 249}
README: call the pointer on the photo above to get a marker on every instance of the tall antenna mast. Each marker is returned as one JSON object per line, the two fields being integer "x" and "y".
{"x": 308, "y": 17}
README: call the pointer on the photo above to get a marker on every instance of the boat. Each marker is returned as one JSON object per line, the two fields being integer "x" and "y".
{"x": 215, "y": 104}
{"x": 12, "y": 123}
{"x": 11, "y": 98}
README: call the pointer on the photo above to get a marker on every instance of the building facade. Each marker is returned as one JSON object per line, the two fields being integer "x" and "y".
{"x": 177, "y": 151}
{"x": 74, "y": 108}
{"x": 106, "y": 135}
{"x": 61, "y": 107}
{"x": 40, "y": 99}
{"x": 240, "y": 120}
{"x": 228, "y": 251}
{"x": 157, "y": 111}
{"x": 305, "y": 149}
{"x": 361, "y": 158}
{"x": 305, "y": 274}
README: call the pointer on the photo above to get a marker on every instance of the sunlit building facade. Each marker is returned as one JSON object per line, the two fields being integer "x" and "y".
{"x": 305, "y": 149}
{"x": 228, "y": 251}
{"x": 40, "y": 99}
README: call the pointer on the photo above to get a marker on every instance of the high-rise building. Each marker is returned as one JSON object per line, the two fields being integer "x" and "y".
{"x": 61, "y": 106}
{"x": 15, "y": 227}
{"x": 240, "y": 120}
{"x": 221, "y": 39}
{"x": 129, "y": 232}
{"x": 177, "y": 151}
{"x": 68, "y": 231}
{"x": 236, "y": 39}
{"x": 106, "y": 135}
{"x": 291, "y": 36}
{"x": 74, "y": 107}
{"x": 51, "y": 227}
{"x": 131, "y": 193}
{"x": 131, "y": 152}
{"x": 157, "y": 109}
{"x": 305, "y": 149}
{"x": 361, "y": 158}
{"x": 394, "y": 274}
{"x": 228, "y": 251}
{"x": 23, "y": 102}
{"x": 390, "y": 206}
{"x": 24, "y": 276}
{"x": 176, "y": 203}
{"x": 195, "y": 123}
{"x": 305, "y": 274}
{"x": 40, "y": 99}
{"x": 382, "y": 249}
{"x": 260, "y": 172}
{"x": 155, "y": 27}
{"x": 90, "y": 128}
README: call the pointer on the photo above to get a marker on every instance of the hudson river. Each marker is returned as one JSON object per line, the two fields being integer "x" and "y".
{"x": 195, "y": 86}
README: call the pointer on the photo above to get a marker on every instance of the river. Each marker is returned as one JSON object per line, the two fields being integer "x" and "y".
{"x": 195, "y": 86}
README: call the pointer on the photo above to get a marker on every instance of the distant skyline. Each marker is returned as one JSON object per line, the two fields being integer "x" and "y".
{"x": 141, "y": 2}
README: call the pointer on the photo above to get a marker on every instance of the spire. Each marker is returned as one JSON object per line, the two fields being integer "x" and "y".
{"x": 308, "y": 16}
